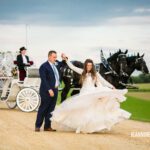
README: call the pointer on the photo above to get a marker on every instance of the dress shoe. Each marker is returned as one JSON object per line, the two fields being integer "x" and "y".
{"x": 37, "y": 129}
{"x": 48, "y": 129}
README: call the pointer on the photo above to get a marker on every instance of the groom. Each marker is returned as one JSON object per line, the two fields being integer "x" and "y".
{"x": 48, "y": 91}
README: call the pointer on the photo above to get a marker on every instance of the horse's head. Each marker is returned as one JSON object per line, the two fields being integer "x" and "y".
{"x": 122, "y": 62}
{"x": 118, "y": 62}
{"x": 141, "y": 64}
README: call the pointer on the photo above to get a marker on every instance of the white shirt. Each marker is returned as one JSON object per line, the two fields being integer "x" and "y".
{"x": 24, "y": 59}
{"x": 55, "y": 73}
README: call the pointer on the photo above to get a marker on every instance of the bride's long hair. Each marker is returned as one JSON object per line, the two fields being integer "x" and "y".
{"x": 92, "y": 71}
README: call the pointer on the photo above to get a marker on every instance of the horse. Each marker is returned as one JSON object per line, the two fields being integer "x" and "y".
{"x": 70, "y": 79}
{"x": 116, "y": 70}
{"x": 135, "y": 63}
{"x": 120, "y": 59}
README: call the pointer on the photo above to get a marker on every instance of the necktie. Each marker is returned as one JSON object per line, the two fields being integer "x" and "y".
{"x": 56, "y": 73}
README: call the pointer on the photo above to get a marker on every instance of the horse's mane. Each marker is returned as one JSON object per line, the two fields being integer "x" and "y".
{"x": 130, "y": 59}
{"x": 114, "y": 56}
{"x": 77, "y": 63}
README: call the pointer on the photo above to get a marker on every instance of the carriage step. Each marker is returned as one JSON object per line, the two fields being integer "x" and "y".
{"x": 3, "y": 99}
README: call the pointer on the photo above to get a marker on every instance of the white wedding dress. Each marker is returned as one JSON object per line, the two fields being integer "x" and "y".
{"x": 95, "y": 109}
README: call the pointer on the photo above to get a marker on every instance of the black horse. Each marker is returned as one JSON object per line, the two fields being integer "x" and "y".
{"x": 117, "y": 69}
{"x": 135, "y": 63}
{"x": 118, "y": 62}
{"x": 70, "y": 79}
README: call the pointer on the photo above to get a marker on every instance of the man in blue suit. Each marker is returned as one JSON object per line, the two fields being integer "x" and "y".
{"x": 48, "y": 91}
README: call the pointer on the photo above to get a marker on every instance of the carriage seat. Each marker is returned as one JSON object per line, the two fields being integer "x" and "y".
{"x": 33, "y": 78}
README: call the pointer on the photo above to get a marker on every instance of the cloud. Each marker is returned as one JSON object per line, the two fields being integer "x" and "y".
{"x": 65, "y": 12}
{"x": 129, "y": 20}
{"x": 49, "y": 12}
{"x": 142, "y": 10}
{"x": 78, "y": 28}
{"x": 78, "y": 43}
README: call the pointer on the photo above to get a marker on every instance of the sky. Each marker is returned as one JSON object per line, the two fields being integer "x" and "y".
{"x": 79, "y": 28}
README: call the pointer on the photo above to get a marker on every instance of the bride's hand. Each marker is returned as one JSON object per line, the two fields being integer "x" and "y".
{"x": 63, "y": 56}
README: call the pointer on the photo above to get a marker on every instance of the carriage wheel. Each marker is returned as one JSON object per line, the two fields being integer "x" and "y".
{"x": 11, "y": 104}
{"x": 28, "y": 100}
{"x": 1, "y": 84}
{"x": 11, "y": 98}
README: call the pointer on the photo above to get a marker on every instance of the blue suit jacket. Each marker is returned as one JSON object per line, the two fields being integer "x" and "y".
{"x": 47, "y": 77}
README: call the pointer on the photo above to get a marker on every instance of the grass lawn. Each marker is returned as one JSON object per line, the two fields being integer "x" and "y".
{"x": 139, "y": 108}
{"x": 140, "y": 95}
{"x": 138, "y": 102}
{"x": 143, "y": 85}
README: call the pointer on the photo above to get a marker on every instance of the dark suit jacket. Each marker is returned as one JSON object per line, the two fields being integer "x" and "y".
{"x": 20, "y": 64}
{"x": 47, "y": 77}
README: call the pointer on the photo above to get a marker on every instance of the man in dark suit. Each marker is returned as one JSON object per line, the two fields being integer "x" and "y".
{"x": 48, "y": 91}
{"x": 22, "y": 63}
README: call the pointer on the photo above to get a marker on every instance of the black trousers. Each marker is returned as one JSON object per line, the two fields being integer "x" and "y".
{"x": 46, "y": 107}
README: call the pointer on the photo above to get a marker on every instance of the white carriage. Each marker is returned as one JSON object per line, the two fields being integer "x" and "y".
{"x": 25, "y": 94}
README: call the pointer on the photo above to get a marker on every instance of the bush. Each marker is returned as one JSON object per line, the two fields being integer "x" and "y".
{"x": 142, "y": 78}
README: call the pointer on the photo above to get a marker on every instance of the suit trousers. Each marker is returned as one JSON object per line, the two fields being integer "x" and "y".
{"x": 46, "y": 107}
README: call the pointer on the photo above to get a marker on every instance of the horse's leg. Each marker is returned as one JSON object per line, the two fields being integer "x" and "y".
{"x": 74, "y": 92}
{"x": 66, "y": 89}
{"x": 65, "y": 92}
{"x": 114, "y": 80}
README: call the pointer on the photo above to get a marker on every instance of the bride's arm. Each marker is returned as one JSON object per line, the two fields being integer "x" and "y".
{"x": 74, "y": 68}
{"x": 101, "y": 81}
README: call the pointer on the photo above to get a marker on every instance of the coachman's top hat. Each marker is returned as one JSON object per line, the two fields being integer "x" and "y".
{"x": 22, "y": 48}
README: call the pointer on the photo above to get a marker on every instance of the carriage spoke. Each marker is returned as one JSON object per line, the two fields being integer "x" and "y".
{"x": 27, "y": 99}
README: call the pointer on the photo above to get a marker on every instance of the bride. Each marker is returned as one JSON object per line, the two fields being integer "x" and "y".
{"x": 95, "y": 109}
